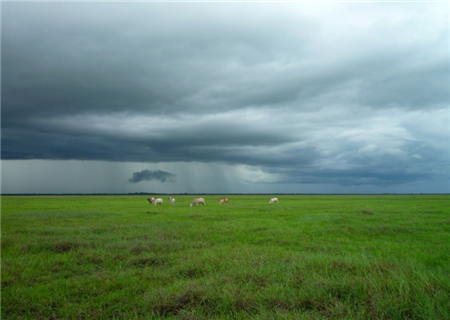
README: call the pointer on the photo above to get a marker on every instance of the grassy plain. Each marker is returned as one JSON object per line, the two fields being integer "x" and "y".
{"x": 309, "y": 257}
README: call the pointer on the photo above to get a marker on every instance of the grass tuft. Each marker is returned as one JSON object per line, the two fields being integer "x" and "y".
{"x": 367, "y": 211}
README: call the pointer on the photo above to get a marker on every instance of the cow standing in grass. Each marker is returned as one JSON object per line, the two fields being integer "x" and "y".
{"x": 156, "y": 201}
{"x": 273, "y": 200}
{"x": 197, "y": 201}
{"x": 172, "y": 201}
{"x": 223, "y": 200}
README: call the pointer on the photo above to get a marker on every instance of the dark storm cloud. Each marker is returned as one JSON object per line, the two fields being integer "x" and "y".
{"x": 292, "y": 88}
{"x": 149, "y": 175}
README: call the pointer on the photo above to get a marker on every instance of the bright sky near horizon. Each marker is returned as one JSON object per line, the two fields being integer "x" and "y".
{"x": 293, "y": 97}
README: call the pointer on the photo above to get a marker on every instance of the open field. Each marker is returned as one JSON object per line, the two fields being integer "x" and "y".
{"x": 309, "y": 257}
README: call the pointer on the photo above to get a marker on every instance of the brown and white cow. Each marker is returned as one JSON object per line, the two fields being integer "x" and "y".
{"x": 172, "y": 201}
{"x": 223, "y": 200}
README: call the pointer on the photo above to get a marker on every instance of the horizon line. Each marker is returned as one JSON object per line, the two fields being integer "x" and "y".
{"x": 215, "y": 193}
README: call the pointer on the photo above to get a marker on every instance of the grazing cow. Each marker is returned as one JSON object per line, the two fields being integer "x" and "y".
{"x": 197, "y": 201}
{"x": 223, "y": 200}
{"x": 156, "y": 201}
{"x": 172, "y": 201}
{"x": 273, "y": 200}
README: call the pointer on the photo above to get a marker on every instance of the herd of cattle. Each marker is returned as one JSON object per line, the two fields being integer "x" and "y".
{"x": 197, "y": 201}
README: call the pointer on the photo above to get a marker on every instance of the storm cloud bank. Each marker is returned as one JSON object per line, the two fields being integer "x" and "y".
{"x": 336, "y": 93}
{"x": 149, "y": 175}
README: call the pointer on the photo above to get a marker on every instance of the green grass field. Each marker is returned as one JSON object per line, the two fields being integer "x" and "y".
{"x": 309, "y": 257}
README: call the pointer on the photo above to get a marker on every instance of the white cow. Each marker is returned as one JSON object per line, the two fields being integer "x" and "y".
{"x": 197, "y": 201}
{"x": 273, "y": 200}
{"x": 172, "y": 201}
{"x": 156, "y": 201}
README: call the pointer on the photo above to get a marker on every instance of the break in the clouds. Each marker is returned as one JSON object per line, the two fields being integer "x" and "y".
{"x": 266, "y": 96}
{"x": 149, "y": 175}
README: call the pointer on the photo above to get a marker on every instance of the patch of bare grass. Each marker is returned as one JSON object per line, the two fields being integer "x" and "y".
{"x": 367, "y": 211}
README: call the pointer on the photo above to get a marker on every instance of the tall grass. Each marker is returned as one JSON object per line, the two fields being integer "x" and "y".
{"x": 309, "y": 257}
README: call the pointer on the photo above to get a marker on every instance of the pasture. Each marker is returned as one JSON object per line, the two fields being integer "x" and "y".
{"x": 307, "y": 257}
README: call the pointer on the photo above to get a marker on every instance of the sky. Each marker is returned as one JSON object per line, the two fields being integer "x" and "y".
{"x": 225, "y": 97}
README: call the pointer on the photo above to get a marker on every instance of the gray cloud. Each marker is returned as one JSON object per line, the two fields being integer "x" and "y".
{"x": 291, "y": 89}
{"x": 150, "y": 175}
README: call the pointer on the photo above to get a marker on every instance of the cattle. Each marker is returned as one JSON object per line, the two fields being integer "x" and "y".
{"x": 172, "y": 201}
{"x": 223, "y": 200}
{"x": 156, "y": 201}
{"x": 273, "y": 200}
{"x": 197, "y": 201}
